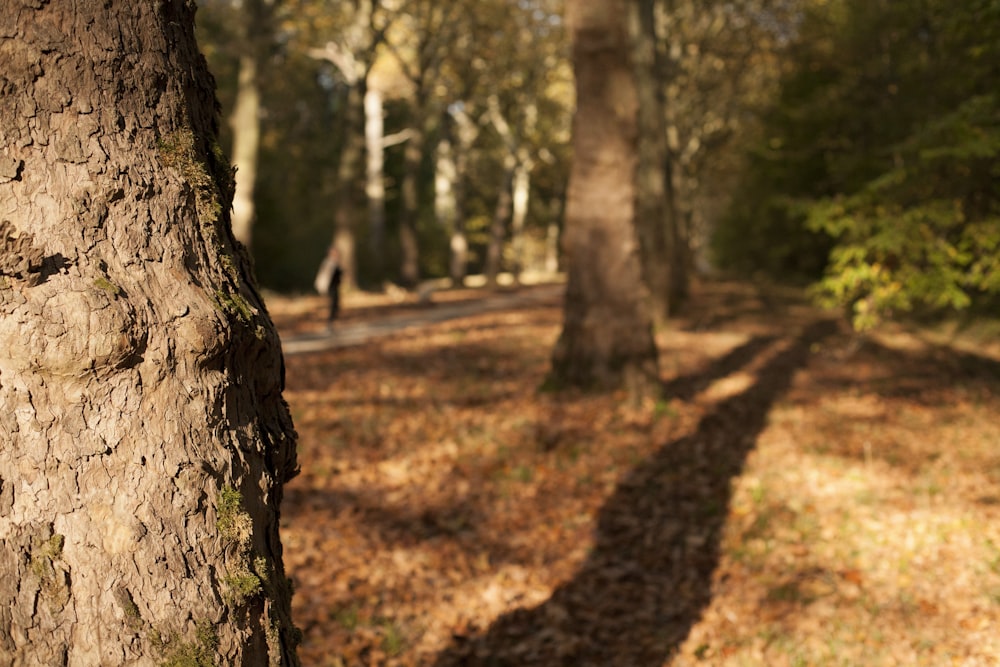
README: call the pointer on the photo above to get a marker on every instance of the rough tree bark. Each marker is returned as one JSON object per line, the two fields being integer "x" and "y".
{"x": 144, "y": 441}
{"x": 606, "y": 341}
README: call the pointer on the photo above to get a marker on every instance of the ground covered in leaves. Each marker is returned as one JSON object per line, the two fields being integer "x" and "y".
{"x": 798, "y": 497}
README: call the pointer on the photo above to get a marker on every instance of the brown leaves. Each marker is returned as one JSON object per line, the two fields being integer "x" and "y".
{"x": 448, "y": 513}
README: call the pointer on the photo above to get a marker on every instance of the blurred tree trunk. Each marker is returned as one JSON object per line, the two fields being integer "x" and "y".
{"x": 557, "y": 209}
{"x": 446, "y": 203}
{"x": 348, "y": 197}
{"x": 409, "y": 210}
{"x": 421, "y": 62}
{"x": 375, "y": 176}
{"x": 245, "y": 118}
{"x": 518, "y": 166}
{"x": 354, "y": 59}
{"x": 520, "y": 192}
{"x": 466, "y": 132}
{"x": 144, "y": 441}
{"x": 246, "y": 141}
{"x": 552, "y": 247}
{"x": 654, "y": 211}
{"x": 607, "y": 340}
{"x": 498, "y": 228}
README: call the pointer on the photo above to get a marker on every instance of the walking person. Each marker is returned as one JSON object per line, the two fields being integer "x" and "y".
{"x": 328, "y": 283}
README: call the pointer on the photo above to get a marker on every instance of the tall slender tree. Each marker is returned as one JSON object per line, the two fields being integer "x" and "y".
{"x": 654, "y": 202}
{"x": 255, "y": 33}
{"x": 607, "y": 340}
{"x": 427, "y": 39}
{"x": 362, "y": 27}
{"x": 144, "y": 441}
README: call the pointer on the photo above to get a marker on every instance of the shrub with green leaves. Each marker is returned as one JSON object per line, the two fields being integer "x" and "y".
{"x": 884, "y": 141}
{"x": 926, "y": 233}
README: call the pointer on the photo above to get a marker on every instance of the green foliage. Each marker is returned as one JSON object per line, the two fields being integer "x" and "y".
{"x": 232, "y": 521}
{"x": 108, "y": 286}
{"x": 247, "y": 576}
{"x": 180, "y": 151}
{"x": 43, "y": 557}
{"x": 393, "y": 639}
{"x": 234, "y": 304}
{"x": 893, "y": 259}
{"x": 924, "y": 234}
{"x": 884, "y": 142}
{"x": 198, "y": 653}
{"x": 241, "y": 586}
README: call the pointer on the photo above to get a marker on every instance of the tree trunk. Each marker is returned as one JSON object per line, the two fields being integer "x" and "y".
{"x": 513, "y": 200}
{"x": 498, "y": 229}
{"x": 556, "y": 214}
{"x": 409, "y": 209}
{"x": 654, "y": 221}
{"x": 446, "y": 207}
{"x": 552, "y": 247}
{"x": 246, "y": 141}
{"x": 680, "y": 244}
{"x": 606, "y": 341}
{"x": 375, "y": 177}
{"x": 348, "y": 197}
{"x": 465, "y": 132}
{"x": 245, "y": 119}
{"x": 144, "y": 441}
{"x": 520, "y": 191}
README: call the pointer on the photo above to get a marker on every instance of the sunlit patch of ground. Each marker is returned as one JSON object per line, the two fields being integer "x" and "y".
{"x": 440, "y": 492}
{"x": 866, "y": 527}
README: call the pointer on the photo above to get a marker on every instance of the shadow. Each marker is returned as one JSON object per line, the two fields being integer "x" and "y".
{"x": 685, "y": 387}
{"x": 32, "y": 267}
{"x": 432, "y": 378}
{"x": 400, "y": 526}
{"x": 50, "y": 266}
{"x": 648, "y": 577}
{"x": 872, "y": 403}
{"x": 919, "y": 376}
{"x": 721, "y": 304}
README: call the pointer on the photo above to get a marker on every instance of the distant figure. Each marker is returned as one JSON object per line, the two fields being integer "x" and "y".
{"x": 328, "y": 282}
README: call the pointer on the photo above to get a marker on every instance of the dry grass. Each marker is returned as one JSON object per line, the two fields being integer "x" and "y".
{"x": 797, "y": 499}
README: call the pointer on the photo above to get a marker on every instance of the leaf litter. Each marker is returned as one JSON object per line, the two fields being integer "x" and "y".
{"x": 798, "y": 497}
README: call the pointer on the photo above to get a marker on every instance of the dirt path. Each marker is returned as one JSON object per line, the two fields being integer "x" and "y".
{"x": 357, "y": 331}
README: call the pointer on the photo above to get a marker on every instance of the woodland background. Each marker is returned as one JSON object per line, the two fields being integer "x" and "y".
{"x": 850, "y": 145}
{"x": 814, "y": 487}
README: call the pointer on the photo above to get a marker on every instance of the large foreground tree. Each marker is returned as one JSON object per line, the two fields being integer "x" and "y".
{"x": 607, "y": 339}
{"x": 143, "y": 437}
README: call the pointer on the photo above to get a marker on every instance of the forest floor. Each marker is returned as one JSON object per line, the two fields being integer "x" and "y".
{"x": 800, "y": 496}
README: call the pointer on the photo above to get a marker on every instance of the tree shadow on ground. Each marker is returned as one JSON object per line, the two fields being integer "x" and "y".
{"x": 686, "y": 387}
{"x": 648, "y": 577}
{"x": 919, "y": 375}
